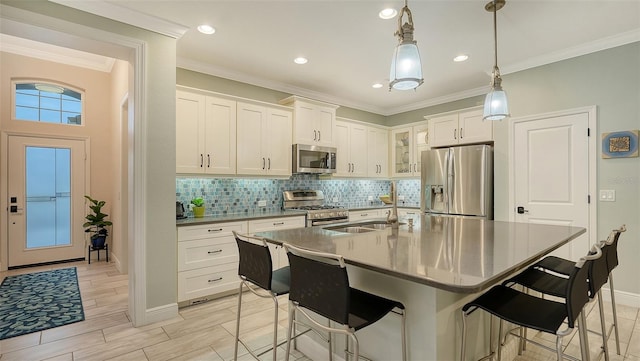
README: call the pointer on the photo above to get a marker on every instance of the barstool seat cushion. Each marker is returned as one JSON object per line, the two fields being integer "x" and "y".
{"x": 556, "y": 264}
{"x": 280, "y": 281}
{"x": 367, "y": 308}
{"x": 521, "y": 309}
{"x": 541, "y": 281}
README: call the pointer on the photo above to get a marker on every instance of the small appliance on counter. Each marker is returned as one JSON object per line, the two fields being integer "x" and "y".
{"x": 180, "y": 211}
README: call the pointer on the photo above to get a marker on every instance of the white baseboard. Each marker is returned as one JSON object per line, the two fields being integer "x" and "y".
{"x": 116, "y": 262}
{"x": 161, "y": 313}
{"x": 622, "y": 297}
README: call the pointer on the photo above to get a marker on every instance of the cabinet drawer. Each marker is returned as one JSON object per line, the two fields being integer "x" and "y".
{"x": 272, "y": 224}
{"x": 210, "y": 230}
{"x": 365, "y": 215}
{"x": 207, "y": 281}
{"x": 206, "y": 252}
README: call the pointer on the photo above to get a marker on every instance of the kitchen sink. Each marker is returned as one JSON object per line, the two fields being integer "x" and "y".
{"x": 362, "y": 227}
{"x": 350, "y": 229}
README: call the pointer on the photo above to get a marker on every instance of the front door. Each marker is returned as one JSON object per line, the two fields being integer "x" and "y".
{"x": 46, "y": 200}
{"x": 551, "y": 174}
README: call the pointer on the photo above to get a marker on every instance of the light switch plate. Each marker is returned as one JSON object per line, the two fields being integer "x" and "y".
{"x": 262, "y": 203}
{"x": 607, "y": 195}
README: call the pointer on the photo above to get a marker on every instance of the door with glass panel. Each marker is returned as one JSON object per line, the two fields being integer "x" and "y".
{"x": 46, "y": 200}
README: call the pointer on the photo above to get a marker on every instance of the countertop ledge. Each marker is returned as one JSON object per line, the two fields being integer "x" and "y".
{"x": 245, "y": 216}
{"x": 384, "y": 206}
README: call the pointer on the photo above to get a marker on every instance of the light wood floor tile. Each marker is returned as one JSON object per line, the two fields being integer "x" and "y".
{"x": 137, "y": 355}
{"x": 205, "y": 353}
{"x": 20, "y": 342}
{"x": 56, "y": 348}
{"x": 178, "y": 346}
{"x": 121, "y": 346}
{"x": 79, "y": 328}
{"x": 65, "y": 357}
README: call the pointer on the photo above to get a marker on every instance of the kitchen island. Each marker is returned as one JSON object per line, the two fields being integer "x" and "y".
{"x": 434, "y": 267}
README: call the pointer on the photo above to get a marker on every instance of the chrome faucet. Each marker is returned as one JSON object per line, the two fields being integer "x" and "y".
{"x": 392, "y": 215}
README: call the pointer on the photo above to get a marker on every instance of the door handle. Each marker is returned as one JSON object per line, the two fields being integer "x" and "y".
{"x": 454, "y": 133}
{"x": 264, "y": 163}
{"x": 460, "y": 133}
{"x": 319, "y": 135}
{"x": 208, "y": 161}
{"x": 201, "y": 160}
{"x": 521, "y": 210}
{"x": 315, "y": 134}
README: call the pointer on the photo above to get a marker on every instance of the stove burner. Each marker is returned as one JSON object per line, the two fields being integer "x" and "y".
{"x": 313, "y": 203}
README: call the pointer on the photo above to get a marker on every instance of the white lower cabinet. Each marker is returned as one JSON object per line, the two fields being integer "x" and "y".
{"x": 207, "y": 259}
{"x": 278, "y": 255}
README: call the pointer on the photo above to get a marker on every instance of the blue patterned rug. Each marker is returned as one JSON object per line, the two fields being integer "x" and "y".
{"x": 39, "y": 301}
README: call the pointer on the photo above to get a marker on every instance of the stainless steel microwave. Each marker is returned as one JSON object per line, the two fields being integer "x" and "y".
{"x": 313, "y": 159}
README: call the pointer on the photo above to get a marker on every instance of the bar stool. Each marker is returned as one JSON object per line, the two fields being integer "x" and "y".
{"x": 526, "y": 310}
{"x": 562, "y": 266}
{"x": 255, "y": 268}
{"x": 551, "y": 284}
{"x": 320, "y": 283}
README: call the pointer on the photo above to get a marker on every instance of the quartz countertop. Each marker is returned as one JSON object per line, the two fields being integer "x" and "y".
{"x": 457, "y": 254}
{"x": 245, "y": 216}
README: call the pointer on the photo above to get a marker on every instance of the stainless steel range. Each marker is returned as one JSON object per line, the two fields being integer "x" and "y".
{"x": 318, "y": 213}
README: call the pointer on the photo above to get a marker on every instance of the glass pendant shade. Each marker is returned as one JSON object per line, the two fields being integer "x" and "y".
{"x": 406, "y": 69}
{"x": 496, "y": 106}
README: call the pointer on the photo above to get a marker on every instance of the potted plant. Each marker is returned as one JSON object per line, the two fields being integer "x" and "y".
{"x": 198, "y": 207}
{"x": 96, "y": 224}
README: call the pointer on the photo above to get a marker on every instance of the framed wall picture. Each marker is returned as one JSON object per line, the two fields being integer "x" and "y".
{"x": 622, "y": 144}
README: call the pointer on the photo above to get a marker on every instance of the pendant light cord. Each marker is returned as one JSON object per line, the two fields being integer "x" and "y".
{"x": 495, "y": 35}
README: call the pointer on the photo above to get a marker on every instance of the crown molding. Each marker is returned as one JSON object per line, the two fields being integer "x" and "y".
{"x": 127, "y": 16}
{"x": 575, "y": 51}
{"x": 53, "y": 53}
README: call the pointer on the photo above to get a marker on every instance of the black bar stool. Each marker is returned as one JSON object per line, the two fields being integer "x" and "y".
{"x": 255, "y": 268}
{"x": 320, "y": 283}
{"x": 549, "y": 283}
{"x": 562, "y": 266}
{"x": 537, "y": 313}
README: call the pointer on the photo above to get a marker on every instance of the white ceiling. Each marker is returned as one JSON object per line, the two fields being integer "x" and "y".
{"x": 349, "y": 47}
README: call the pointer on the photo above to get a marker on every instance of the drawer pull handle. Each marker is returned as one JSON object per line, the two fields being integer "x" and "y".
{"x": 214, "y": 230}
{"x": 215, "y": 280}
{"x": 278, "y": 223}
{"x": 364, "y": 214}
{"x": 216, "y": 251}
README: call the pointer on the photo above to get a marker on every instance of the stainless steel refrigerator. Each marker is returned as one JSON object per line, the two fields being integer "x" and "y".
{"x": 458, "y": 180}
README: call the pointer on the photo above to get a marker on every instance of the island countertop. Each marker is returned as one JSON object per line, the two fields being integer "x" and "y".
{"x": 456, "y": 254}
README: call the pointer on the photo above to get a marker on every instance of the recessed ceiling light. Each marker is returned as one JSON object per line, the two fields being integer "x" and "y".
{"x": 300, "y": 60}
{"x": 461, "y": 57}
{"x": 377, "y": 85}
{"x": 388, "y": 13}
{"x": 206, "y": 29}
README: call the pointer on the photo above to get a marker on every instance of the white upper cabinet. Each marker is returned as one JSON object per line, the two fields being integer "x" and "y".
{"x": 460, "y": 128}
{"x": 351, "y": 144}
{"x": 407, "y": 144}
{"x": 378, "y": 153}
{"x": 264, "y": 140}
{"x": 313, "y": 121}
{"x": 205, "y": 134}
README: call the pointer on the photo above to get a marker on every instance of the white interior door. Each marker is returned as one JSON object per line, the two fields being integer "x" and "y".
{"x": 46, "y": 200}
{"x": 551, "y": 175}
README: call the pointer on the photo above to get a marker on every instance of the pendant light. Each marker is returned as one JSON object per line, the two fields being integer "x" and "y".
{"x": 496, "y": 106}
{"x": 406, "y": 69}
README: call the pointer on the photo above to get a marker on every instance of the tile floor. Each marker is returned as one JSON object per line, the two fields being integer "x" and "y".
{"x": 205, "y": 331}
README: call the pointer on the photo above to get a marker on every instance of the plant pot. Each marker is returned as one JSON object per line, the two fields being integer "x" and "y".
{"x": 198, "y": 212}
{"x": 98, "y": 241}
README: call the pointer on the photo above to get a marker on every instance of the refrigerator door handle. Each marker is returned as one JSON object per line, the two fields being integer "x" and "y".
{"x": 450, "y": 179}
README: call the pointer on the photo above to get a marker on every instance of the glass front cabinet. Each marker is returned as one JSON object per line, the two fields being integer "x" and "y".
{"x": 407, "y": 144}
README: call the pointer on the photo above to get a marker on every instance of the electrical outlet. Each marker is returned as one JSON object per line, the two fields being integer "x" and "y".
{"x": 370, "y": 198}
{"x": 607, "y": 195}
{"x": 335, "y": 200}
{"x": 262, "y": 203}
{"x": 401, "y": 198}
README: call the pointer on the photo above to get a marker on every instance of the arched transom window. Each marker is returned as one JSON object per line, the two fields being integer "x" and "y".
{"x": 47, "y": 103}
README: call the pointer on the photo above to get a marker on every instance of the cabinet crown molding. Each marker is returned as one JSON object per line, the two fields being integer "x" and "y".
{"x": 294, "y": 98}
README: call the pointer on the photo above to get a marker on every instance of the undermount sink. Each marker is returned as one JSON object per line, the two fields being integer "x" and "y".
{"x": 350, "y": 229}
{"x": 362, "y": 227}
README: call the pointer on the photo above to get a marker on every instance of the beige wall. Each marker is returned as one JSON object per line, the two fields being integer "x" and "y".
{"x": 97, "y": 121}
